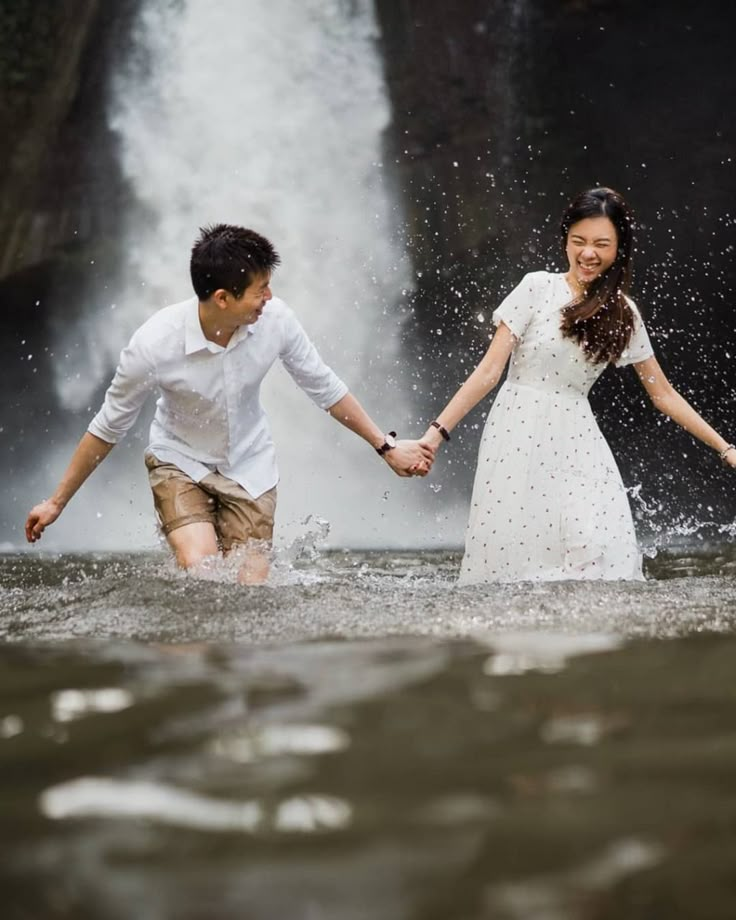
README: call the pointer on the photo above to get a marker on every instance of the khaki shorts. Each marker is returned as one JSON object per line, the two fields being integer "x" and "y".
{"x": 217, "y": 500}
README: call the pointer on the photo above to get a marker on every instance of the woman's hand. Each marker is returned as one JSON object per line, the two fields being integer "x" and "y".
{"x": 410, "y": 458}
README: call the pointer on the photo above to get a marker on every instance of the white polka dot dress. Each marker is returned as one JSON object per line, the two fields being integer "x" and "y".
{"x": 548, "y": 501}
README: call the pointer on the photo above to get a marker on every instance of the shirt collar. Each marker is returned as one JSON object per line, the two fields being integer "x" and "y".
{"x": 195, "y": 339}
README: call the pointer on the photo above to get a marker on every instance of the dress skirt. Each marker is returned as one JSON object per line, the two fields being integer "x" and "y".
{"x": 548, "y": 500}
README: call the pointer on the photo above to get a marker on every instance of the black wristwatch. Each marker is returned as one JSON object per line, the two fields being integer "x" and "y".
{"x": 388, "y": 444}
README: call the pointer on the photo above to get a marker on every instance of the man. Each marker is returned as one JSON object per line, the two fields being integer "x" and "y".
{"x": 211, "y": 461}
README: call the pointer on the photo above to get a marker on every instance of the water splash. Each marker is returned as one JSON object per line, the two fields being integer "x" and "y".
{"x": 678, "y": 529}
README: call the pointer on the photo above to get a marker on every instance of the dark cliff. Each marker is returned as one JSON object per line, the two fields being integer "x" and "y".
{"x": 502, "y": 110}
{"x": 58, "y": 177}
{"x": 61, "y": 192}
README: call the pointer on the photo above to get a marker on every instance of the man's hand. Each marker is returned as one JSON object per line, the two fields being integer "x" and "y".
{"x": 39, "y": 518}
{"x": 410, "y": 458}
{"x": 88, "y": 455}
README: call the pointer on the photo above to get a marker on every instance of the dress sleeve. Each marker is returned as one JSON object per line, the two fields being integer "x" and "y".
{"x": 639, "y": 347}
{"x": 517, "y": 309}
{"x": 303, "y": 362}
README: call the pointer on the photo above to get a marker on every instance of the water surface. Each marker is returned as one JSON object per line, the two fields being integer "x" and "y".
{"x": 350, "y": 595}
{"x": 361, "y": 739}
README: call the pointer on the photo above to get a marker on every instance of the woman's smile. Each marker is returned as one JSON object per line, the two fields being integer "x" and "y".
{"x": 589, "y": 270}
{"x": 591, "y": 248}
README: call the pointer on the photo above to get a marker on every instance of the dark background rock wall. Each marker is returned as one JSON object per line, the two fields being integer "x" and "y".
{"x": 61, "y": 197}
{"x": 501, "y": 110}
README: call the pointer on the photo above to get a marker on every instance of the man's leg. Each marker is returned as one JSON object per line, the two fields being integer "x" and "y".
{"x": 245, "y": 527}
{"x": 192, "y": 543}
{"x": 186, "y": 513}
{"x": 255, "y": 562}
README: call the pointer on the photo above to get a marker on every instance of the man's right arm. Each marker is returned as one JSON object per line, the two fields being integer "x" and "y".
{"x": 134, "y": 379}
{"x": 320, "y": 382}
{"x": 90, "y": 452}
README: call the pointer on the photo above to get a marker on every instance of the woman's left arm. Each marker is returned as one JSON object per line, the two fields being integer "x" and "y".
{"x": 666, "y": 398}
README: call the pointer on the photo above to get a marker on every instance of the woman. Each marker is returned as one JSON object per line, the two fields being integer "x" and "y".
{"x": 548, "y": 501}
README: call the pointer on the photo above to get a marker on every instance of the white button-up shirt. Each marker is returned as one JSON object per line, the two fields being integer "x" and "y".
{"x": 208, "y": 415}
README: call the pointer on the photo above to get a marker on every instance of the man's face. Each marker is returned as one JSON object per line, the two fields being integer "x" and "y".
{"x": 248, "y": 308}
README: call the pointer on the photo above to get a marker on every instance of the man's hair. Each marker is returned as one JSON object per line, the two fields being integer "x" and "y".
{"x": 229, "y": 257}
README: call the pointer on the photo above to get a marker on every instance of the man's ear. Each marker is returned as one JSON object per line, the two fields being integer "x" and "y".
{"x": 220, "y": 297}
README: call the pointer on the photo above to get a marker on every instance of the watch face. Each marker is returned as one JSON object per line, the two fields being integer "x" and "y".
{"x": 390, "y": 441}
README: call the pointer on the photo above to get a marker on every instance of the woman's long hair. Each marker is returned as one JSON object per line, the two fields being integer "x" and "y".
{"x": 601, "y": 320}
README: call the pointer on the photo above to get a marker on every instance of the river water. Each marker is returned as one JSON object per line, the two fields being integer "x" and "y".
{"x": 362, "y": 739}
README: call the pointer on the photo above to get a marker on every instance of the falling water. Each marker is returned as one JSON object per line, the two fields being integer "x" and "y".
{"x": 271, "y": 116}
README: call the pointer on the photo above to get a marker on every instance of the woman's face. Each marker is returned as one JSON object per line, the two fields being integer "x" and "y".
{"x": 592, "y": 244}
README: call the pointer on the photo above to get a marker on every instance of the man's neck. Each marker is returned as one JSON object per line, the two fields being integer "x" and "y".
{"x": 214, "y": 325}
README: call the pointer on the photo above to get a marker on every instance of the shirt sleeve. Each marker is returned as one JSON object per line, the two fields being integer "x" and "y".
{"x": 303, "y": 362}
{"x": 517, "y": 309}
{"x": 134, "y": 379}
{"x": 639, "y": 347}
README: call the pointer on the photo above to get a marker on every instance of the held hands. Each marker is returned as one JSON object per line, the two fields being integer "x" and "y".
{"x": 410, "y": 458}
{"x": 39, "y": 518}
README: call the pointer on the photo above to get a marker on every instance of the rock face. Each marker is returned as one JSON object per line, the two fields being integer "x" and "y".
{"x": 56, "y": 157}
{"x": 61, "y": 193}
{"x": 39, "y": 87}
{"x": 456, "y": 82}
{"x": 505, "y": 108}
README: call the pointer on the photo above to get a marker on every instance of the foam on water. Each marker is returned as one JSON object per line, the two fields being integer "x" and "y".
{"x": 355, "y": 594}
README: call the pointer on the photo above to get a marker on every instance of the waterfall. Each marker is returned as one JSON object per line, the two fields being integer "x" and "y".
{"x": 271, "y": 115}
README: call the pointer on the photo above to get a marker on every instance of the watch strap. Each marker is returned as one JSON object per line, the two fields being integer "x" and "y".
{"x": 386, "y": 446}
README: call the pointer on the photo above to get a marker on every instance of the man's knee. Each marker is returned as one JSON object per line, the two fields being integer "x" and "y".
{"x": 193, "y": 543}
{"x": 253, "y": 559}
{"x": 254, "y": 570}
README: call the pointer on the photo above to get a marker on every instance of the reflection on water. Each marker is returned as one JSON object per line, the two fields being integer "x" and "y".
{"x": 109, "y": 798}
{"x": 195, "y": 749}
{"x": 567, "y": 894}
{"x": 73, "y": 704}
